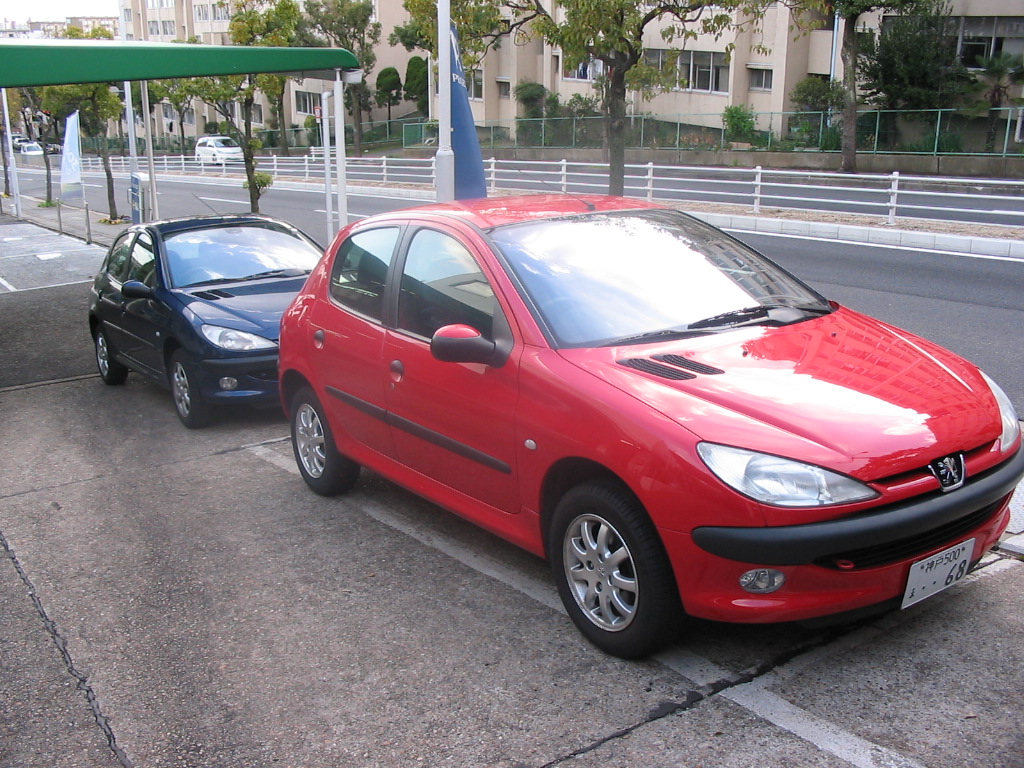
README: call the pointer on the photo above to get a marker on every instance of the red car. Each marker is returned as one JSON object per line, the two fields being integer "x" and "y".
{"x": 677, "y": 424}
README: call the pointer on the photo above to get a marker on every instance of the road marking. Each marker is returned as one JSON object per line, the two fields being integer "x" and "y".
{"x": 7, "y": 285}
{"x": 224, "y": 200}
{"x": 48, "y": 256}
{"x": 752, "y": 696}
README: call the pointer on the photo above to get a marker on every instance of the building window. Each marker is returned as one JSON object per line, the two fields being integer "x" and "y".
{"x": 202, "y": 13}
{"x": 167, "y": 28}
{"x": 257, "y": 114}
{"x": 984, "y": 37}
{"x": 475, "y": 83}
{"x": 760, "y": 79}
{"x": 306, "y": 102}
{"x": 588, "y": 70}
{"x": 127, "y": 13}
{"x": 220, "y": 12}
{"x": 704, "y": 71}
{"x": 504, "y": 89}
{"x": 154, "y": 28}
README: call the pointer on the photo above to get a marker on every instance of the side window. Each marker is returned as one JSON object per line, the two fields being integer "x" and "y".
{"x": 119, "y": 257}
{"x": 442, "y": 284}
{"x": 360, "y": 268}
{"x": 142, "y": 265}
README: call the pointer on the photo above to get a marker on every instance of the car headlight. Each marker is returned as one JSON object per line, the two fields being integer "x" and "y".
{"x": 236, "y": 341}
{"x": 1008, "y": 415}
{"x": 781, "y": 482}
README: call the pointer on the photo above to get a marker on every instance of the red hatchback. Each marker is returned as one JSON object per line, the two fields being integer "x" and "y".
{"x": 678, "y": 424}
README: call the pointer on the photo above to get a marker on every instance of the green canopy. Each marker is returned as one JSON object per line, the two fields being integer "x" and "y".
{"x": 59, "y": 62}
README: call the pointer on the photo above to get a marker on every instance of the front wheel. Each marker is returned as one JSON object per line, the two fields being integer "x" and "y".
{"x": 111, "y": 371}
{"x": 323, "y": 468}
{"x": 611, "y": 570}
{"x": 188, "y": 402}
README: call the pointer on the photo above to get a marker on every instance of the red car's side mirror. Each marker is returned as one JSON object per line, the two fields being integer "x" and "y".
{"x": 461, "y": 344}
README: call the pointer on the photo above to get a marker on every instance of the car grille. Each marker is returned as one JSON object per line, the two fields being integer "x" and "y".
{"x": 894, "y": 551}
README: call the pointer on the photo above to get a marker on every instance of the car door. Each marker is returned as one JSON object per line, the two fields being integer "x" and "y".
{"x": 108, "y": 305}
{"x": 144, "y": 320}
{"x": 348, "y": 337}
{"x": 453, "y": 422}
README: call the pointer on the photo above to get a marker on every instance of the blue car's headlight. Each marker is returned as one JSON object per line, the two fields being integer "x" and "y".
{"x": 236, "y": 341}
{"x": 781, "y": 482}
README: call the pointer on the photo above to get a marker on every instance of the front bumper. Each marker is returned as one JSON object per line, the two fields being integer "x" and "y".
{"x": 256, "y": 377}
{"x": 938, "y": 517}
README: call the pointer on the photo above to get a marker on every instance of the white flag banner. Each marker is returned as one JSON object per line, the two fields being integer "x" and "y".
{"x": 71, "y": 187}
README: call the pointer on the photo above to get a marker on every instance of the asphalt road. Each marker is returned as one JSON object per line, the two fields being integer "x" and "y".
{"x": 177, "y": 598}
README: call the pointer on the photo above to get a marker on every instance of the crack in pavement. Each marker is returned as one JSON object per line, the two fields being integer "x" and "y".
{"x": 82, "y": 681}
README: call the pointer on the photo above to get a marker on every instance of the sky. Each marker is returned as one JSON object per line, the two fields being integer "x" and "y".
{"x": 55, "y": 10}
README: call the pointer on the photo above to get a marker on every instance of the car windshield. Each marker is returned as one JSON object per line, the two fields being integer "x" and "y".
{"x": 225, "y": 143}
{"x": 642, "y": 276}
{"x": 232, "y": 253}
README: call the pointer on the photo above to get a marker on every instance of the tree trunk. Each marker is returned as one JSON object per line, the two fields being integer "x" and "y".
{"x": 615, "y": 129}
{"x": 282, "y": 138}
{"x": 105, "y": 155}
{"x": 250, "y": 163}
{"x": 849, "y": 57}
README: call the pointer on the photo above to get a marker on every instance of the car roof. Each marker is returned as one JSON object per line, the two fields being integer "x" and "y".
{"x": 491, "y": 212}
{"x": 171, "y": 226}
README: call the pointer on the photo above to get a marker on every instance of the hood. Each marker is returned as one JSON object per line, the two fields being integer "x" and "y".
{"x": 843, "y": 391}
{"x": 255, "y": 307}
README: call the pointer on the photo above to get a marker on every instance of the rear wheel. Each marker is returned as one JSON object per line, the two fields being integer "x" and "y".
{"x": 611, "y": 570}
{"x": 111, "y": 371}
{"x": 323, "y": 468}
{"x": 188, "y": 402}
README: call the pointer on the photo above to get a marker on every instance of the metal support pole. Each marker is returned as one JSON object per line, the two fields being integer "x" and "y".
{"x": 154, "y": 205}
{"x": 88, "y": 226}
{"x": 12, "y": 167}
{"x": 445, "y": 156}
{"x": 325, "y": 139}
{"x": 339, "y": 140}
{"x": 60, "y": 220}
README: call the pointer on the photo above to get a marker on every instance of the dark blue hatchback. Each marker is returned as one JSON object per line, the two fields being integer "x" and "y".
{"x": 195, "y": 304}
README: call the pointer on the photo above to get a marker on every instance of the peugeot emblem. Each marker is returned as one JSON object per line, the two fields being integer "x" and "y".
{"x": 949, "y": 471}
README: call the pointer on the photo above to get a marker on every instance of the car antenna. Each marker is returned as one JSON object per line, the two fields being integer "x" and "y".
{"x": 590, "y": 206}
{"x": 197, "y": 197}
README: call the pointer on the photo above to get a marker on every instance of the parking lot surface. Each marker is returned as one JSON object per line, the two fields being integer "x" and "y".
{"x": 178, "y": 598}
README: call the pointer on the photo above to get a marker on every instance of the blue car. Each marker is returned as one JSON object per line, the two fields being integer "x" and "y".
{"x": 195, "y": 304}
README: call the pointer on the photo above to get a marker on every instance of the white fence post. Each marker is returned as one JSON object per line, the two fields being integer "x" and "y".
{"x": 493, "y": 173}
{"x": 893, "y": 191}
{"x": 757, "y": 190}
{"x": 565, "y": 175}
{"x": 650, "y": 180}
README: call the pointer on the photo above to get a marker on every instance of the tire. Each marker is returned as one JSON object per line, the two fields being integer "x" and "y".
{"x": 324, "y": 469}
{"x": 188, "y": 402}
{"x": 612, "y": 572}
{"x": 111, "y": 371}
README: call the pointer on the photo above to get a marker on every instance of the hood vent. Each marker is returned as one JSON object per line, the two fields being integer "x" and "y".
{"x": 656, "y": 369}
{"x": 213, "y": 294}
{"x": 690, "y": 365}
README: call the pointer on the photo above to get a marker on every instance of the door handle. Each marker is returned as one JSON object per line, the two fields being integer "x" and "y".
{"x": 397, "y": 370}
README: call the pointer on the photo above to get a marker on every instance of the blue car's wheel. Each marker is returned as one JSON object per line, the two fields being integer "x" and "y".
{"x": 188, "y": 402}
{"x": 111, "y": 371}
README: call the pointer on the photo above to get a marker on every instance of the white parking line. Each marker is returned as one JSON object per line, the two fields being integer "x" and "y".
{"x": 752, "y": 696}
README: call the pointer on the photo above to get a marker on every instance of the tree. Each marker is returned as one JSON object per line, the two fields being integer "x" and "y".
{"x": 996, "y": 80}
{"x": 913, "y": 65}
{"x": 611, "y": 32}
{"x": 389, "y": 89}
{"x": 817, "y": 94}
{"x": 416, "y": 84}
{"x": 347, "y": 24}
{"x": 255, "y": 22}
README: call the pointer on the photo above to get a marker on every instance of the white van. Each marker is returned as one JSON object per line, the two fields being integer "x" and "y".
{"x": 218, "y": 149}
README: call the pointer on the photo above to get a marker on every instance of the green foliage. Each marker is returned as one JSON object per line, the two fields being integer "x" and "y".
{"x": 817, "y": 94}
{"x": 416, "y": 84}
{"x": 914, "y": 64}
{"x": 261, "y": 180}
{"x": 993, "y": 89}
{"x": 389, "y": 89}
{"x": 739, "y": 122}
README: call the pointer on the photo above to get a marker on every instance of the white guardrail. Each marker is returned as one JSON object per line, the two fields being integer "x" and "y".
{"x": 888, "y": 196}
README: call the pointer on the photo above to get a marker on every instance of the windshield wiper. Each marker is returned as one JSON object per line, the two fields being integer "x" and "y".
{"x": 776, "y": 314}
{"x": 288, "y": 272}
{"x": 665, "y": 333}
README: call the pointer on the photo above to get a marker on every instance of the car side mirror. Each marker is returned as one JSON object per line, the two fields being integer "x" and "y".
{"x": 462, "y": 344}
{"x": 134, "y": 289}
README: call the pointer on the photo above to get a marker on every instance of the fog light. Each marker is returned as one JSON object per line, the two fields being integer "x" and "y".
{"x": 762, "y": 580}
{"x": 229, "y": 383}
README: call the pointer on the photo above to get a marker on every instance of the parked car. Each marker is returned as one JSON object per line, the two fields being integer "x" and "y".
{"x": 218, "y": 149}
{"x": 678, "y": 424}
{"x": 195, "y": 304}
{"x": 17, "y": 139}
{"x": 30, "y": 148}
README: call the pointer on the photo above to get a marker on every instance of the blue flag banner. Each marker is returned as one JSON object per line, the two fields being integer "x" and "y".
{"x": 470, "y": 180}
{"x": 71, "y": 187}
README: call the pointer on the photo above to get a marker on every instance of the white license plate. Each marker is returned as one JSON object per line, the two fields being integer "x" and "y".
{"x": 940, "y": 571}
